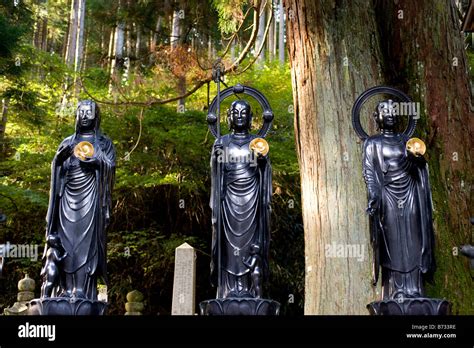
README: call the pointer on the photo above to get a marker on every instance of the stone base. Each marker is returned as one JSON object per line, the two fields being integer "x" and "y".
{"x": 18, "y": 308}
{"x": 239, "y": 306}
{"x": 410, "y": 306}
{"x": 66, "y": 306}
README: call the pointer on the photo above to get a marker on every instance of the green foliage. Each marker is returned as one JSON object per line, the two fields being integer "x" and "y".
{"x": 230, "y": 14}
{"x": 14, "y": 24}
{"x": 470, "y": 58}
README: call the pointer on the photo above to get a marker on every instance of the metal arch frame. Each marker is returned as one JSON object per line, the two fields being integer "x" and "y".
{"x": 268, "y": 116}
{"x": 361, "y": 133}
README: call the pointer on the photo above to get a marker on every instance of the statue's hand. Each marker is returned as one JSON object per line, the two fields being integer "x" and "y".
{"x": 372, "y": 206}
{"x": 65, "y": 153}
{"x": 90, "y": 161}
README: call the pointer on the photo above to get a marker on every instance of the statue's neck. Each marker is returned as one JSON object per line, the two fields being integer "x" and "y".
{"x": 241, "y": 133}
{"x": 388, "y": 132}
{"x": 86, "y": 134}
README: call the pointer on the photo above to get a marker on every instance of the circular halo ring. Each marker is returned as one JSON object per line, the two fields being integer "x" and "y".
{"x": 361, "y": 133}
{"x": 241, "y": 89}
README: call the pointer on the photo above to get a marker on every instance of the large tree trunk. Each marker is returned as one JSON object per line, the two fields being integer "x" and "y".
{"x": 432, "y": 69}
{"x": 337, "y": 50}
{"x": 325, "y": 84}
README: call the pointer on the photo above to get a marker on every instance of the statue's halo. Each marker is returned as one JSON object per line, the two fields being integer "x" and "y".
{"x": 241, "y": 89}
{"x": 361, "y": 133}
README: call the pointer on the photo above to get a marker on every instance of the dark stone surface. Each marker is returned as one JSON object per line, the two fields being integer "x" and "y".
{"x": 410, "y": 306}
{"x": 239, "y": 306}
{"x": 66, "y": 306}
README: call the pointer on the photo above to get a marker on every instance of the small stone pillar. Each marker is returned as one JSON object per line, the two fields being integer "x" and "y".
{"x": 26, "y": 288}
{"x": 134, "y": 305}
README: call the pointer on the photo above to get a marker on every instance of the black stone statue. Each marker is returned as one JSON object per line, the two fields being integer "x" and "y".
{"x": 400, "y": 210}
{"x": 245, "y": 192}
{"x": 240, "y": 201}
{"x": 82, "y": 178}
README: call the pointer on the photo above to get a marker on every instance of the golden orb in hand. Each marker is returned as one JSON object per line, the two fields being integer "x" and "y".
{"x": 259, "y": 146}
{"x": 84, "y": 150}
{"x": 416, "y": 146}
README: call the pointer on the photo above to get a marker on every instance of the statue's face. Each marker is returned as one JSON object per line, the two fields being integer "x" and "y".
{"x": 86, "y": 116}
{"x": 387, "y": 118}
{"x": 240, "y": 115}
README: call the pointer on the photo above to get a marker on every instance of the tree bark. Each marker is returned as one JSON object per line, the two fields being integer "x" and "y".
{"x": 176, "y": 40}
{"x": 320, "y": 36}
{"x": 138, "y": 40}
{"x": 119, "y": 40}
{"x": 111, "y": 48}
{"x": 261, "y": 35}
{"x": 154, "y": 39}
{"x": 281, "y": 34}
{"x": 232, "y": 50}
{"x": 175, "y": 29}
{"x": 128, "y": 41}
{"x": 78, "y": 56}
{"x": 117, "y": 59}
{"x": 44, "y": 34}
{"x": 66, "y": 36}
{"x": 209, "y": 48}
{"x": 72, "y": 36}
{"x": 271, "y": 34}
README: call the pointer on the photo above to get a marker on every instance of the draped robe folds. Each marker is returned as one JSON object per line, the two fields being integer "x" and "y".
{"x": 401, "y": 228}
{"x": 245, "y": 192}
{"x": 79, "y": 210}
